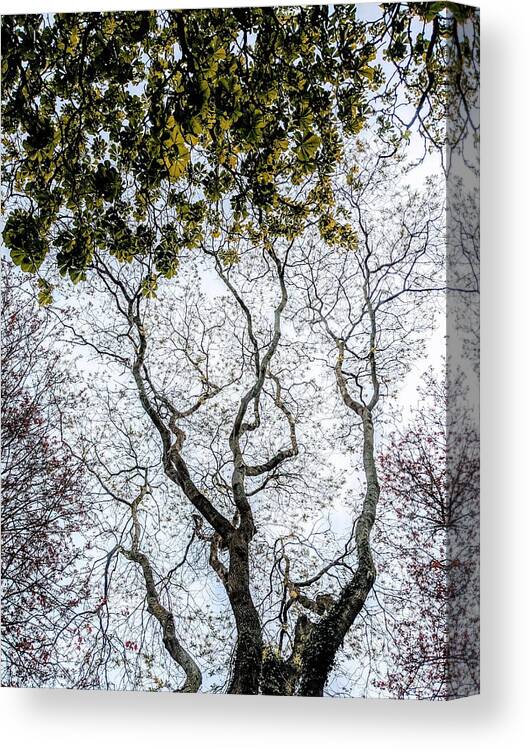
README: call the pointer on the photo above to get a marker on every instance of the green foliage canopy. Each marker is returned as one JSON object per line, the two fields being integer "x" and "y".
{"x": 137, "y": 133}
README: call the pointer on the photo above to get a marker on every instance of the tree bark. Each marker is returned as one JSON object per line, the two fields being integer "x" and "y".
{"x": 249, "y": 647}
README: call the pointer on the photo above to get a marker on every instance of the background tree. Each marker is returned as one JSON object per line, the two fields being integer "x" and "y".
{"x": 431, "y": 594}
{"x": 45, "y": 579}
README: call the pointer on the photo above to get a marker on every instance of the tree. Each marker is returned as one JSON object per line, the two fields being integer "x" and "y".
{"x": 235, "y": 418}
{"x": 44, "y": 571}
{"x": 429, "y": 532}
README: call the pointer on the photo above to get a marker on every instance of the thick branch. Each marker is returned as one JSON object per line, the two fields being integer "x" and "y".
{"x": 172, "y": 644}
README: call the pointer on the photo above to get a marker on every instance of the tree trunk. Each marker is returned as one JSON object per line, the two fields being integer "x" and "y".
{"x": 249, "y": 648}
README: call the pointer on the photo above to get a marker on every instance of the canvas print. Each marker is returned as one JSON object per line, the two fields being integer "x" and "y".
{"x": 240, "y": 350}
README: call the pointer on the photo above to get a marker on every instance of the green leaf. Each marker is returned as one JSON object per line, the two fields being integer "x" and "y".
{"x": 45, "y": 296}
{"x": 149, "y": 286}
{"x": 307, "y": 147}
{"x": 367, "y": 72}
